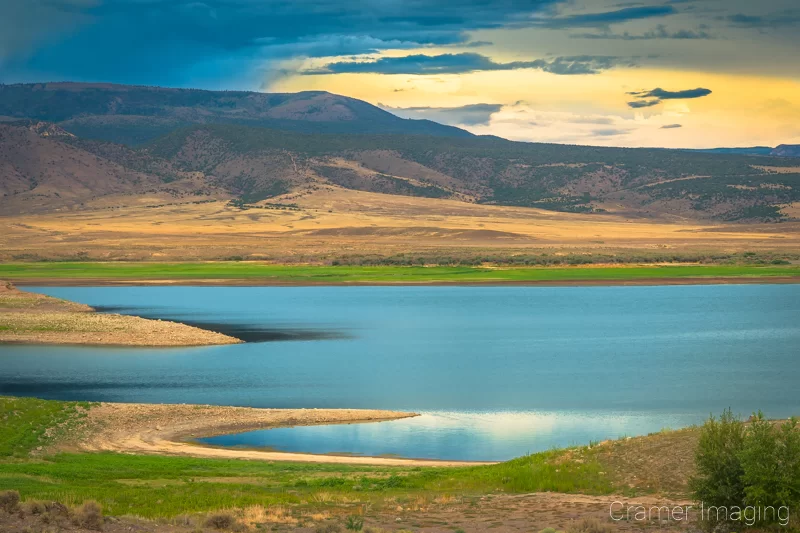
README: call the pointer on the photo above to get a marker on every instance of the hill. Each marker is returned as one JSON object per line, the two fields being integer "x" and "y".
{"x": 136, "y": 114}
{"x": 786, "y": 150}
{"x": 47, "y": 167}
{"x": 782, "y": 150}
{"x": 64, "y": 145}
{"x": 256, "y": 163}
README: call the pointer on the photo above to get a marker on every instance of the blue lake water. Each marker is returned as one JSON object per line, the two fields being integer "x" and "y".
{"x": 496, "y": 371}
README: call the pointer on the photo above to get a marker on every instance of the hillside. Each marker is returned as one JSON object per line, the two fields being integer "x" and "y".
{"x": 46, "y": 167}
{"x": 66, "y": 145}
{"x": 257, "y": 163}
{"x": 133, "y": 114}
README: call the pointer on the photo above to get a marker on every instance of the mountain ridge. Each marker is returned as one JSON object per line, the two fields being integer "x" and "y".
{"x": 137, "y": 114}
{"x": 131, "y": 143}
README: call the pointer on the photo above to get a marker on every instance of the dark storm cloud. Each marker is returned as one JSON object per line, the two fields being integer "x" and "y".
{"x": 603, "y": 19}
{"x": 467, "y": 62}
{"x": 159, "y": 40}
{"x": 181, "y": 41}
{"x": 661, "y": 32}
{"x": 671, "y": 126}
{"x": 468, "y": 115}
{"x": 655, "y": 96}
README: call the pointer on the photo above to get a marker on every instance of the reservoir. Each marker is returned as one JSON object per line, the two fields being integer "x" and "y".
{"x": 496, "y": 372}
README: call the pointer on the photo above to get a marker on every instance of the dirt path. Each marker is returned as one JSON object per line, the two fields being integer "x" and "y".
{"x": 169, "y": 429}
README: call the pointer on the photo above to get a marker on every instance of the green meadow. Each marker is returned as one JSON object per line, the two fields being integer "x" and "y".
{"x": 268, "y": 273}
{"x": 156, "y": 486}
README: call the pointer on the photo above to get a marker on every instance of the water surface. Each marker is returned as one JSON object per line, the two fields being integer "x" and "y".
{"x": 488, "y": 364}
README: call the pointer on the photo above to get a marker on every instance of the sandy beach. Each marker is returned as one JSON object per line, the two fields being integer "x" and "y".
{"x": 168, "y": 429}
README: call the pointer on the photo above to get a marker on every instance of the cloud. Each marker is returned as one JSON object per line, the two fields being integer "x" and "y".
{"x": 611, "y": 132}
{"x": 660, "y": 32}
{"x": 672, "y": 95}
{"x": 655, "y": 96}
{"x": 469, "y": 62}
{"x": 671, "y": 126}
{"x": 226, "y": 42}
{"x": 636, "y": 104}
{"x": 602, "y": 19}
{"x": 466, "y": 115}
{"x": 176, "y": 41}
{"x": 786, "y": 18}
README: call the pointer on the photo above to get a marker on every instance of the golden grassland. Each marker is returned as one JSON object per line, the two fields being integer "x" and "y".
{"x": 330, "y": 223}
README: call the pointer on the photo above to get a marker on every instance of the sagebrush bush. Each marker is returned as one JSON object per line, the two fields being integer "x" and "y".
{"x": 9, "y": 500}
{"x": 589, "y": 525}
{"x": 221, "y": 521}
{"x": 328, "y": 528}
{"x": 354, "y": 522}
{"x": 89, "y": 516}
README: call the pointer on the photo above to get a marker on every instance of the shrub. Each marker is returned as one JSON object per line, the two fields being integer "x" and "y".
{"x": 589, "y": 525}
{"x": 9, "y": 499}
{"x": 741, "y": 465}
{"x": 719, "y": 478}
{"x": 771, "y": 463}
{"x": 221, "y": 521}
{"x": 354, "y": 522}
{"x": 89, "y": 516}
{"x": 328, "y": 528}
{"x": 34, "y": 507}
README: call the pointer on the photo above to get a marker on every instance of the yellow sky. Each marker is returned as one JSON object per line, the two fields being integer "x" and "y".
{"x": 591, "y": 109}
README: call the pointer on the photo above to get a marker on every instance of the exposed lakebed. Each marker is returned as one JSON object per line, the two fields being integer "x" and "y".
{"x": 496, "y": 371}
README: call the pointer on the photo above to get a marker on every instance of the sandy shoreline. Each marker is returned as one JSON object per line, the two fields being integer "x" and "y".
{"x": 170, "y": 429}
{"x": 30, "y": 318}
{"x": 256, "y": 282}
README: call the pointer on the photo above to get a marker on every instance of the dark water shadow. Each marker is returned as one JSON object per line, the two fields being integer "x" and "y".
{"x": 245, "y": 332}
{"x": 38, "y": 387}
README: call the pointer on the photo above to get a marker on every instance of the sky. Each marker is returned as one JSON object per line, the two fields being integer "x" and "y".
{"x": 669, "y": 73}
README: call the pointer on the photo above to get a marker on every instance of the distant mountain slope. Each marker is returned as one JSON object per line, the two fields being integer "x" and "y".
{"x": 133, "y": 114}
{"x": 750, "y": 150}
{"x": 644, "y": 182}
{"x": 782, "y": 150}
{"x": 44, "y": 167}
{"x": 786, "y": 150}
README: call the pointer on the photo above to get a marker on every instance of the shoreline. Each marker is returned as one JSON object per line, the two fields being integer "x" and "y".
{"x": 35, "y": 319}
{"x": 266, "y": 282}
{"x": 171, "y": 429}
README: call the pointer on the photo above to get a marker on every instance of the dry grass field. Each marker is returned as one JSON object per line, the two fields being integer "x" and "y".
{"x": 317, "y": 225}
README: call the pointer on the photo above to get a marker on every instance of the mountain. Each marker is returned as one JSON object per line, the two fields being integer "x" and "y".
{"x": 786, "y": 150}
{"x": 133, "y": 115}
{"x": 751, "y": 150}
{"x": 782, "y": 150}
{"x": 45, "y": 168}
{"x": 79, "y": 146}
